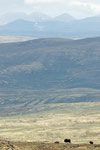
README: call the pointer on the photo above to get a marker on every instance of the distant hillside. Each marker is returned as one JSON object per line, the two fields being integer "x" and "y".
{"x": 18, "y": 28}
{"x": 48, "y": 71}
{"x": 60, "y": 62}
{"x": 49, "y": 63}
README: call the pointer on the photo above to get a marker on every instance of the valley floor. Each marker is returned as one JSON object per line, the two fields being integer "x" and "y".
{"x": 78, "y": 122}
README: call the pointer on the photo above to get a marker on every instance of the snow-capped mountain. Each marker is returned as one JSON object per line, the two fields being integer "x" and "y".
{"x": 65, "y": 18}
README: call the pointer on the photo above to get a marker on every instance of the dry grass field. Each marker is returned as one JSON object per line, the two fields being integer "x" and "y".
{"x": 10, "y": 39}
{"x": 80, "y": 126}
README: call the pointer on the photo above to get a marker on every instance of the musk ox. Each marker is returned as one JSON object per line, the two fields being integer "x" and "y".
{"x": 67, "y": 140}
{"x": 90, "y": 142}
{"x": 57, "y": 142}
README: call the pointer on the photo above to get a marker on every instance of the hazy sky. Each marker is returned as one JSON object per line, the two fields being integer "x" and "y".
{"x": 77, "y": 8}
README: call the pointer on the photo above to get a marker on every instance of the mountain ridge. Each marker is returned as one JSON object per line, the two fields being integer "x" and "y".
{"x": 82, "y": 28}
{"x": 61, "y": 53}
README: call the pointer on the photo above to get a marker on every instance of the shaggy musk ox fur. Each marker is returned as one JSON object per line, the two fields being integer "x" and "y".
{"x": 67, "y": 140}
{"x": 90, "y": 142}
{"x": 57, "y": 142}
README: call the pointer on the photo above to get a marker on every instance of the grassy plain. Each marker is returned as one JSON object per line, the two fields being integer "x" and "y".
{"x": 80, "y": 123}
{"x": 10, "y": 39}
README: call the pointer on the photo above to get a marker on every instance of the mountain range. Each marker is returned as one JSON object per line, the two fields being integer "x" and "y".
{"x": 38, "y": 25}
{"x": 34, "y": 17}
{"x": 58, "y": 27}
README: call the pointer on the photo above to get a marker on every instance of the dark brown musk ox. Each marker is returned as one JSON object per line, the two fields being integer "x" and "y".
{"x": 91, "y": 142}
{"x": 57, "y": 142}
{"x": 67, "y": 140}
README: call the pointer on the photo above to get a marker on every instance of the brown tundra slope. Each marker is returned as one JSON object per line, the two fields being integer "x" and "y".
{"x": 5, "y": 145}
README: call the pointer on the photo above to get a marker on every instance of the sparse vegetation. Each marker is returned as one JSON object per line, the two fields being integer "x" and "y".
{"x": 26, "y": 101}
{"x": 4, "y": 145}
{"x": 49, "y": 92}
{"x": 81, "y": 125}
